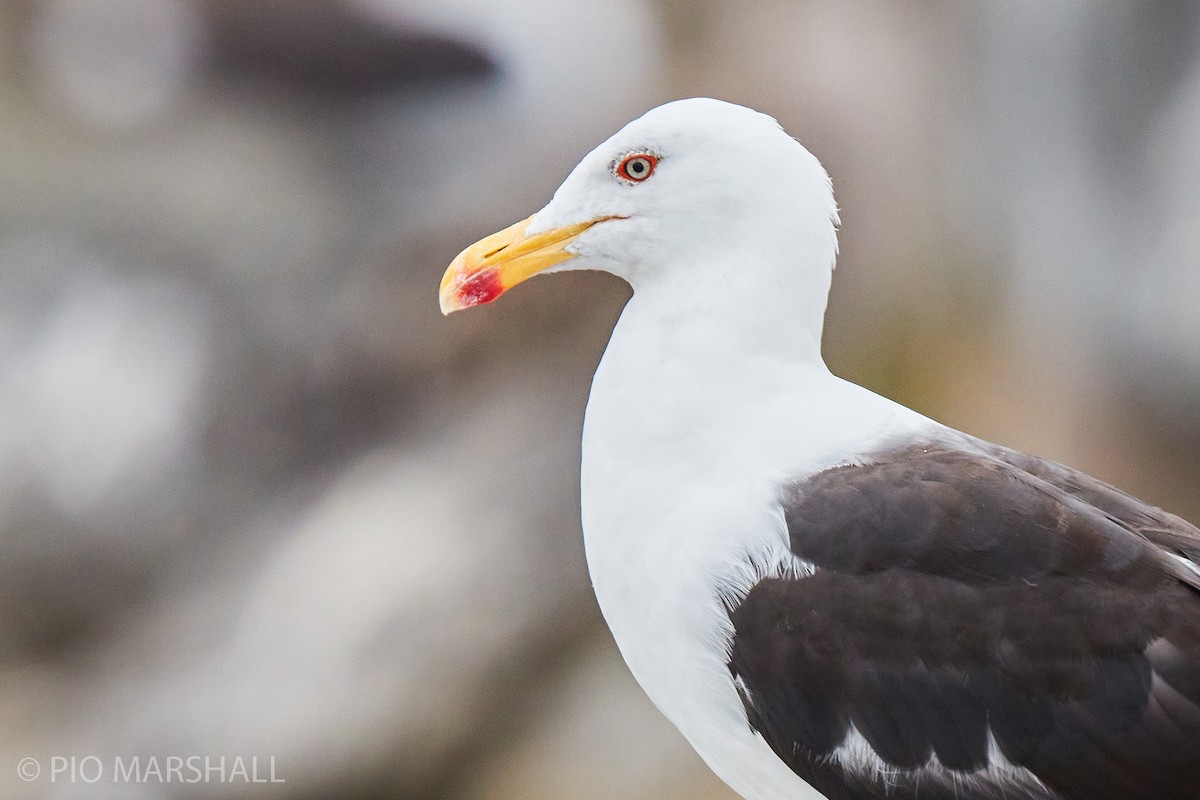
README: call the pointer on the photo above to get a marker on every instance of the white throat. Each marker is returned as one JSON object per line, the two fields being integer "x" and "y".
{"x": 720, "y": 384}
{"x": 699, "y": 413}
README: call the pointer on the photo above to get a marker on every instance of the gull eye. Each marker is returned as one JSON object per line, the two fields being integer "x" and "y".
{"x": 637, "y": 167}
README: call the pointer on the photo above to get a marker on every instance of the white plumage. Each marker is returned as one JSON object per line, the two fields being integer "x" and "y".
{"x": 727, "y": 472}
{"x": 711, "y": 392}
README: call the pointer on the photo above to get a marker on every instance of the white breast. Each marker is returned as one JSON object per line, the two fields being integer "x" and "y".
{"x": 679, "y": 492}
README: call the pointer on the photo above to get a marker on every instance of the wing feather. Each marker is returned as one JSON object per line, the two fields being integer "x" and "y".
{"x": 974, "y": 614}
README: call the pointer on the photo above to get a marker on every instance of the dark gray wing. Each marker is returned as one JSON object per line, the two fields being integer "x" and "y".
{"x": 967, "y": 599}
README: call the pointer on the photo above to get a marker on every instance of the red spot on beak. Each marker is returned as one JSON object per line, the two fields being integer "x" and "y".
{"x": 482, "y": 287}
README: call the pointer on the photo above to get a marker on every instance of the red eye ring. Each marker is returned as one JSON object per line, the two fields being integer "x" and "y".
{"x": 636, "y": 167}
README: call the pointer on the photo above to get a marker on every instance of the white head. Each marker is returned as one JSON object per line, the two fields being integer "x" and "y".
{"x": 698, "y": 200}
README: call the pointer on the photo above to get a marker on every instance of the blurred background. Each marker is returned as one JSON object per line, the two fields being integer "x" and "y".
{"x": 259, "y": 499}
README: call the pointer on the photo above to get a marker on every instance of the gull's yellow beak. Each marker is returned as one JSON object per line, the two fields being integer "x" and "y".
{"x": 495, "y": 264}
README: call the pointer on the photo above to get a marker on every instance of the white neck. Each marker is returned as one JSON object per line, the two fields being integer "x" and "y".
{"x": 695, "y": 380}
{"x": 723, "y": 382}
{"x": 703, "y": 406}
{"x": 744, "y": 320}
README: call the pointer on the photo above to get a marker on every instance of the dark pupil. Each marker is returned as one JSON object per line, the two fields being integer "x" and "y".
{"x": 637, "y": 166}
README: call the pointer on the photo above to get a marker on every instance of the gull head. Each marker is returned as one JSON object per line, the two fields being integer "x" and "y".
{"x": 695, "y": 193}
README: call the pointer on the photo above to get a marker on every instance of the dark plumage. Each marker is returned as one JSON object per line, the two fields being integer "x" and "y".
{"x": 961, "y": 591}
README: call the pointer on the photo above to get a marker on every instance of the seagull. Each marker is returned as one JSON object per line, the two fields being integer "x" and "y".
{"x": 825, "y": 591}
